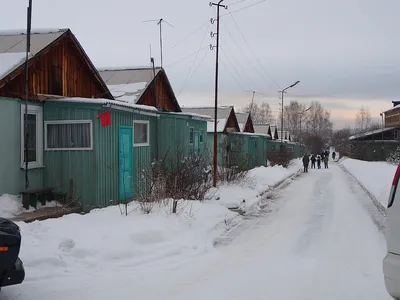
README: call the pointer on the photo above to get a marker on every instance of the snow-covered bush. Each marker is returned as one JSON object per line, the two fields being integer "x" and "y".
{"x": 394, "y": 157}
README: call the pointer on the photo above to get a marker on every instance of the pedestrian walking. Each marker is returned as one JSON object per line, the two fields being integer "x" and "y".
{"x": 326, "y": 159}
{"x": 333, "y": 155}
{"x": 319, "y": 161}
{"x": 313, "y": 159}
{"x": 306, "y": 161}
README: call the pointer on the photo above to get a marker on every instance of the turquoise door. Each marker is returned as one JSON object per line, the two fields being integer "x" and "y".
{"x": 196, "y": 142}
{"x": 125, "y": 162}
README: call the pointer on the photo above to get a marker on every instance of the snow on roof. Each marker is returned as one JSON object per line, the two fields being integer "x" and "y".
{"x": 242, "y": 117}
{"x": 129, "y": 93}
{"x": 14, "y": 41}
{"x": 372, "y": 132}
{"x": 191, "y": 115}
{"x": 262, "y": 128}
{"x": 253, "y": 134}
{"x": 105, "y": 101}
{"x": 223, "y": 112}
{"x": 127, "y": 84}
{"x": 10, "y": 61}
{"x": 392, "y": 108}
{"x": 220, "y": 125}
{"x": 241, "y": 126}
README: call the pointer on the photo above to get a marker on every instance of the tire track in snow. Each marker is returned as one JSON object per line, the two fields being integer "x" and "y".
{"x": 321, "y": 213}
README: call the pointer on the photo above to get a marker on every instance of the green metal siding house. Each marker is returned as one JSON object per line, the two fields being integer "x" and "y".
{"x": 226, "y": 123}
{"x": 178, "y": 133}
{"x": 56, "y": 60}
{"x": 81, "y": 140}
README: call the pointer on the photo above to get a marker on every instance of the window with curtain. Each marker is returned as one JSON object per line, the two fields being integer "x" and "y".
{"x": 141, "y": 133}
{"x": 69, "y": 135}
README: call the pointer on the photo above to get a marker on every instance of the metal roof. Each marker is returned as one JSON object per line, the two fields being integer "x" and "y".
{"x": 223, "y": 112}
{"x": 242, "y": 117}
{"x": 15, "y": 41}
{"x": 127, "y": 75}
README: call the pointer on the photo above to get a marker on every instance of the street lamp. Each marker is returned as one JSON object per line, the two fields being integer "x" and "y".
{"x": 282, "y": 92}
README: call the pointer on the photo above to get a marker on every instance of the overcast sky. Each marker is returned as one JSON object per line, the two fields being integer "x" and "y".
{"x": 345, "y": 52}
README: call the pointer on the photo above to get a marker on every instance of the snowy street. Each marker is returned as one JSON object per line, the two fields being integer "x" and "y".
{"x": 319, "y": 240}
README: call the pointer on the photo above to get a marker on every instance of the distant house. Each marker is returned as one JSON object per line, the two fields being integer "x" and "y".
{"x": 245, "y": 122}
{"x": 378, "y": 144}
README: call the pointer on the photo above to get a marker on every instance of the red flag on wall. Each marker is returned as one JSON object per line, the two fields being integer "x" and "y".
{"x": 105, "y": 118}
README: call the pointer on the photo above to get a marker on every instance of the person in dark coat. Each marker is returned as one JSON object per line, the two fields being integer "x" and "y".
{"x": 326, "y": 159}
{"x": 333, "y": 155}
{"x": 306, "y": 161}
{"x": 319, "y": 161}
{"x": 313, "y": 159}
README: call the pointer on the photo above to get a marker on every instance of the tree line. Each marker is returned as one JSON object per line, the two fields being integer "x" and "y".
{"x": 310, "y": 124}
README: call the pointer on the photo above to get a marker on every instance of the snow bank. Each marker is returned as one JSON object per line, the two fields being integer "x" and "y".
{"x": 105, "y": 239}
{"x": 10, "y": 206}
{"x": 376, "y": 177}
{"x": 257, "y": 181}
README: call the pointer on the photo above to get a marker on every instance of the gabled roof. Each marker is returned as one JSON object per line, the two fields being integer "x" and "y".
{"x": 13, "y": 48}
{"x": 263, "y": 128}
{"x": 242, "y": 119}
{"x": 129, "y": 84}
{"x": 223, "y": 113}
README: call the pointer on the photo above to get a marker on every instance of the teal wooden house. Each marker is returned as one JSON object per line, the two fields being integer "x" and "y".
{"x": 84, "y": 139}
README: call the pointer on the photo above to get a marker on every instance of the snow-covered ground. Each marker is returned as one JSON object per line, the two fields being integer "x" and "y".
{"x": 11, "y": 206}
{"x": 254, "y": 185}
{"x": 318, "y": 241}
{"x": 376, "y": 176}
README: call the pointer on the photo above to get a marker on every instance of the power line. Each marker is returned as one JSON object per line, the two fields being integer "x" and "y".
{"x": 230, "y": 73}
{"x": 237, "y": 2}
{"x": 255, "y": 56}
{"x": 233, "y": 67}
{"x": 245, "y": 7}
{"x": 244, "y": 72}
{"x": 198, "y": 66}
{"x": 188, "y": 56}
{"x": 244, "y": 54}
{"x": 188, "y": 36}
{"x": 194, "y": 61}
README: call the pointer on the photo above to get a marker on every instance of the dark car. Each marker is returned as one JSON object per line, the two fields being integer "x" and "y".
{"x": 11, "y": 267}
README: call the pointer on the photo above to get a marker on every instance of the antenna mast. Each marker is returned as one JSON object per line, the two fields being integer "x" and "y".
{"x": 159, "y": 23}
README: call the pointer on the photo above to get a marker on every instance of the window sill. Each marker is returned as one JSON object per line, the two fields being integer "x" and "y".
{"x": 141, "y": 145}
{"x": 33, "y": 166}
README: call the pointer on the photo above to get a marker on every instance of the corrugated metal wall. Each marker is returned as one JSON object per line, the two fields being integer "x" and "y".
{"x": 95, "y": 172}
{"x": 174, "y": 137}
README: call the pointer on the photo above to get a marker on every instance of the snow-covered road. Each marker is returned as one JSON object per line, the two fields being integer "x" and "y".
{"x": 319, "y": 242}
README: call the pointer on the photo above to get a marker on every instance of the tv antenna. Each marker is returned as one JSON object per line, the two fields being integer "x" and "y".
{"x": 159, "y": 23}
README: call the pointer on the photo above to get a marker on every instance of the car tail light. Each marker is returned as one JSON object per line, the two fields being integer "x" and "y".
{"x": 3, "y": 249}
{"x": 394, "y": 186}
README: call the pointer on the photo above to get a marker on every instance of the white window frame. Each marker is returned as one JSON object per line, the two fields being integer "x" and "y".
{"x": 148, "y": 133}
{"x": 38, "y": 111}
{"x": 56, "y": 122}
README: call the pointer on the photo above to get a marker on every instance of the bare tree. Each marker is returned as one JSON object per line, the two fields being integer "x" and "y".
{"x": 340, "y": 140}
{"x": 261, "y": 114}
{"x": 318, "y": 122}
{"x": 363, "y": 120}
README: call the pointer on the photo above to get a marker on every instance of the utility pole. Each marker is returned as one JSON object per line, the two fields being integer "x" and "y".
{"x": 215, "y": 158}
{"x": 159, "y": 23}
{"x": 252, "y": 102}
{"x": 28, "y": 50}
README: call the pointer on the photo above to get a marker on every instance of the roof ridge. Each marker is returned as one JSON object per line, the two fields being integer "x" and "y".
{"x": 12, "y": 32}
{"x": 132, "y": 68}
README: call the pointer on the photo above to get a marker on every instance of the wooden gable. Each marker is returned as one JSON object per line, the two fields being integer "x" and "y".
{"x": 232, "y": 124}
{"x": 159, "y": 94}
{"x": 249, "y": 127}
{"x": 61, "y": 69}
